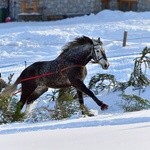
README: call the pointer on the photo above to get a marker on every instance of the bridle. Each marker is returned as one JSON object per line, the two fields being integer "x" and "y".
{"x": 97, "y": 49}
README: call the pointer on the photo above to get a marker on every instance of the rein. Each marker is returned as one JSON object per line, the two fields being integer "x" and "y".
{"x": 49, "y": 73}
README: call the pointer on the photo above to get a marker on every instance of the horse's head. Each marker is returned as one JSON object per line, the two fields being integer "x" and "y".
{"x": 98, "y": 54}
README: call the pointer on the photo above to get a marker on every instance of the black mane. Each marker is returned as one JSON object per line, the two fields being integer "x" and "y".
{"x": 77, "y": 42}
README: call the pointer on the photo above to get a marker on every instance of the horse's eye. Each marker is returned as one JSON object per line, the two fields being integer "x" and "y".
{"x": 97, "y": 51}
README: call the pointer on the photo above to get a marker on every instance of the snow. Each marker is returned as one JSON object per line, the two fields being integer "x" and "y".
{"x": 28, "y": 42}
{"x": 101, "y": 137}
{"x": 118, "y": 131}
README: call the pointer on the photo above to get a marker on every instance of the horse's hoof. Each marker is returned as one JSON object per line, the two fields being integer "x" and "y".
{"x": 104, "y": 107}
{"x": 91, "y": 115}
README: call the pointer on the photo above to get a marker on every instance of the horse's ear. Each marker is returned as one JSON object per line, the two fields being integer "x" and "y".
{"x": 99, "y": 40}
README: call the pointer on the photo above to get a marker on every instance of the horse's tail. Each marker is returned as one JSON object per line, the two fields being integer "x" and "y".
{"x": 10, "y": 89}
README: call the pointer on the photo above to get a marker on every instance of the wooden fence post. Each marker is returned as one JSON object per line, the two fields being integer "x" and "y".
{"x": 124, "y": 38}
{"x": 25, "y": 64}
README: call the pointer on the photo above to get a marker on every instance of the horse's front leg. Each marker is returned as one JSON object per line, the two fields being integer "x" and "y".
{"x": 77, "y": 83}
{"x": 83, "y": 108}
{"x": 80, "y": 97}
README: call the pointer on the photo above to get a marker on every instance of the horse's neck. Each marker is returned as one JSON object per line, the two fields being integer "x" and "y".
{"x": 80, "y": 55}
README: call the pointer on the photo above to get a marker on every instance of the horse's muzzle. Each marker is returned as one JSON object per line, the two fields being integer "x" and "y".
{"x": 105, "y": 66}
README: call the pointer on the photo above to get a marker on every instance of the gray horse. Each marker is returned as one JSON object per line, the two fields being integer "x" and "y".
{"x": 68, "y": 69}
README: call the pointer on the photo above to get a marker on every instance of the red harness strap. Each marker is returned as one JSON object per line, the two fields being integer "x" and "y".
{"x": 18, "y": 91}
{"x": 49, "y": 73}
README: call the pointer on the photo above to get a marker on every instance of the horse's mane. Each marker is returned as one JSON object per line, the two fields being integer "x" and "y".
{"x": 77, "y": 42}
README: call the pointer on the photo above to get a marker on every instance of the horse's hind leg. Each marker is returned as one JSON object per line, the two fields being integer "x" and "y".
{"x": 35, "y": 94}
{"x": 27, "y": 90}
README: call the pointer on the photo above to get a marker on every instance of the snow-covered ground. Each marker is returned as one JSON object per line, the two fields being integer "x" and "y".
{"x": 28, "y": 42}
{"x": 120, "y": 132}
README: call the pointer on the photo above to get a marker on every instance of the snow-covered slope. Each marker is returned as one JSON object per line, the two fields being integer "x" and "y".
{"x": 119, "y": 131}
{"x": 28, "y": 42}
